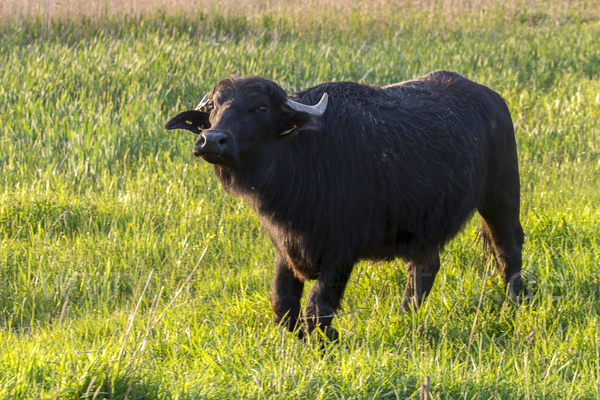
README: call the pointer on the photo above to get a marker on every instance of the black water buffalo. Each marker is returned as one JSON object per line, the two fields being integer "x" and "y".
{"x": 367, "y": 173}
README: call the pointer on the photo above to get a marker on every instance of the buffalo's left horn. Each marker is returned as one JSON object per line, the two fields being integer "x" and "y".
{"x": 316, "y": 110}
{"x": 202, "y": 103}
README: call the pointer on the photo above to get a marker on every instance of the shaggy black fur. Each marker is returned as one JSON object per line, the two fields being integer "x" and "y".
{"x": 386, "y": 172}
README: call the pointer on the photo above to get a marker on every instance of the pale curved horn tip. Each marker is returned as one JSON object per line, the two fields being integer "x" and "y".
{"x": 316, "y": 111}
{"x": 202, "y": 103}
{"x": 322, "y": 105}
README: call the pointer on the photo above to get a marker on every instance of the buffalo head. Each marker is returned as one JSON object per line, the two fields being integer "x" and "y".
{"x": 240, "y": 117}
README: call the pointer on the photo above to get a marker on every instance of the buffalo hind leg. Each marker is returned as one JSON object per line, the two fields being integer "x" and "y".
{"x": 323, "y": 301}
{"x": 285, "y": 297}
{"x": 501, "y": 228}
{"x": 421, "y": 272}
{"x": 505, "y": 238}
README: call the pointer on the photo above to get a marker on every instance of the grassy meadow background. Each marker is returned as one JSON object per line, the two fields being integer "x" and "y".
{"x": 104, "y": 215}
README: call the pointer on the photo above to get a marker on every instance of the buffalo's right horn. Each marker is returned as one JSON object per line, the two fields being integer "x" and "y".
{"x": 316, "y": 110}
{"x": 201, "y": 105}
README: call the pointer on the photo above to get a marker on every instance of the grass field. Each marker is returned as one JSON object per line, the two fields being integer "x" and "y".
{"x": 104, "y": 215}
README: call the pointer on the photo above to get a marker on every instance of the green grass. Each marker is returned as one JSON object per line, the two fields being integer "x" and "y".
{"x": 97, "y": 201}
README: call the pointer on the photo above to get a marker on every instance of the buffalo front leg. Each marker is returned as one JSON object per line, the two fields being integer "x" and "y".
{"x": 285, "y": 296}
{"x": 323, "y": 301}
{"x": 420, "y": 277}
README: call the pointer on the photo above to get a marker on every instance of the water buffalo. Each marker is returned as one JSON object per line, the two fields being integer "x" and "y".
{"x": 369, "y": 173}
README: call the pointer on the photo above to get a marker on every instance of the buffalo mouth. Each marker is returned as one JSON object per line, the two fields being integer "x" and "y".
{"x": 216, "y": 158}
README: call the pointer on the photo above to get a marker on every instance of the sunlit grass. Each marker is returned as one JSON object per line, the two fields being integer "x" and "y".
{"x": 96, "y": 198}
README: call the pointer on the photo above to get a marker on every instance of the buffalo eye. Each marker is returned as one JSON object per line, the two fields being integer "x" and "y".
{"x": 264, "y": 108}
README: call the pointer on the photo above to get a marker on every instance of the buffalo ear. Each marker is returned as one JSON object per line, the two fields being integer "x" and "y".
{"x": 300, "y": 121}
{"x": 191, "y": 120}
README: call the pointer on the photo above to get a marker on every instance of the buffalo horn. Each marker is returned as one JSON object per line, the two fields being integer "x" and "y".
{"x": 202, "y": 103}
{"x": 316, "y": 110}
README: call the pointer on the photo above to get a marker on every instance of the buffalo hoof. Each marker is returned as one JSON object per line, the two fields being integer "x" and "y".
{"x": 517, "y": 290}
{"x": 409, "y": 304}
{"x": 332, "y": 338}
{"x": 332, "y": 335}
{"x": 322, "y": 334}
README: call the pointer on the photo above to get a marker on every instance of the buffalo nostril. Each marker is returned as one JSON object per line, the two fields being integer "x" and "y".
{"x": 213, "y": 141}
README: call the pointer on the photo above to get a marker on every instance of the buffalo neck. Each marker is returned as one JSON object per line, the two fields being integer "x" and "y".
{"x": 289, "y": 177}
